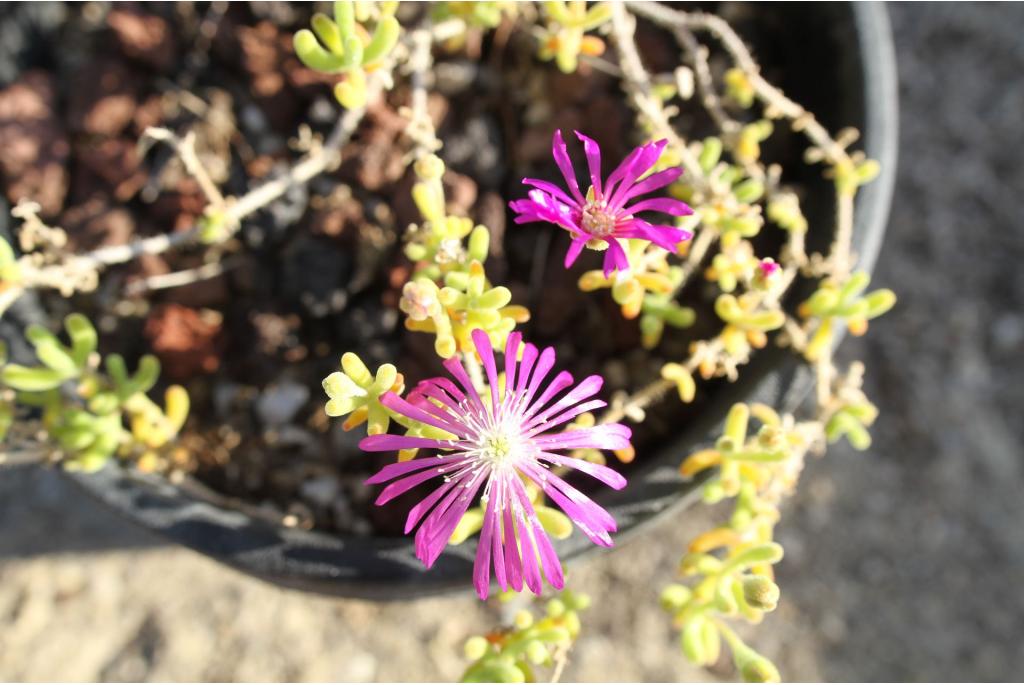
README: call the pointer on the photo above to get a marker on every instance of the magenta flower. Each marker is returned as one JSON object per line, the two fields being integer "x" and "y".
{"x": 497, "y": 443}
{"x": 607, "y": 214}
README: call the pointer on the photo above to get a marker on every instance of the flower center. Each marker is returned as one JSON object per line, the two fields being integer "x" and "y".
{"x": 597, "y": 221}
{"x": 499, "y": 446}
{"x": 496, "y": 448}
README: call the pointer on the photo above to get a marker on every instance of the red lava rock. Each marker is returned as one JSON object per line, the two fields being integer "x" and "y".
{"x": 492, "y": 212}
{"x": 103, "y": 99}
{"x": 437, "y": 108}
{"x": 144, "y": 37}
{"x": 305, "y": 81}
{"x": 186, "y": 341}
{"x": 339, "y": 215}
{"x": 263, "y": 48}
{"x": 33, "y": 162}
{"x": 94, "y": 224}
{"x": 114, "y": 163}
{"x": 178, "y": 210}
{"x": 376, "y": 158}
{"x": 149, "y": 113}
{"x": 460, "y": 192}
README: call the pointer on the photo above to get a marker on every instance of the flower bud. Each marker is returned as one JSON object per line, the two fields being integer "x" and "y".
{"x": 760, "y": 593}
{"x": 523, "y": 619}
{"x": 429, "y": 167}
{"x": 674, "y": 597}
{"x": 759, "y": 670}
{"x": 475, "y": 647}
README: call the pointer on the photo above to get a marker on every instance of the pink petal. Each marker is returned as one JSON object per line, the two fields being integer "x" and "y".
{"x": 392, "y": 471}
{"x": 511, "y": 362}
{"x": 482, "y": 565}
{"x": 588, "y": 387}
{"x": 525, "y": 367}
{"x": 483, "y": 348}
{"x": 625, "y": 166}
{"x": 615, "y": 258}
{"x": 549, "y": 560}
{"x": 459, "y": 372}
{"x": 560, "y": 382}
{"x": 424, "y": 505}
{"x": 646, "y": 156}
{"x": 593, "y": 152}
{"x": 544, "y": 365}
{"x": 591, "y": 519}
{"x": 436, "y": 418}
{"x": 513, "y": 565}
{"x": 531, "y": 571}
{"x": 665, "y": 205}
{"x": 393, "y": 443}
{"x": 609, "y": 436}
{"x": 561, "y": 155}
{"x": 406, "y": 483}
{"x": 439, "y": 525}
{"x": 573, "y": 253}
{"x": 609, "y": 477}
{"x": 551, "y": 189}
{"x": 649, "y": 184}
{"x": 534, "y": 427}
{"x": 667, "y": 237}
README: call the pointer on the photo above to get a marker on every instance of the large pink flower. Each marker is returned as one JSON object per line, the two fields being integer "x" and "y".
{"x": 607, "y": 213}
{"x": 496, "y": 443}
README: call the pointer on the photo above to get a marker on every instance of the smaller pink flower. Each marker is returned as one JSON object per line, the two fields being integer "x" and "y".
{"x": 607, "y": 213}
{"x": 768, "y": 267}
{"x": 498, "y": 443}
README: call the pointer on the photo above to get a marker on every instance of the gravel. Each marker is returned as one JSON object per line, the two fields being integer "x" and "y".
{"x": 903, "y": 563}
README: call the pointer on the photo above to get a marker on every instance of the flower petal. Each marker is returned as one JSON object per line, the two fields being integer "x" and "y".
{"x": 435, "y": 418}
{"x": 615, "y": 259}
{"x": 545, "y": 362}
{"x": 573, "y": 253}
{"x": 559, "y": 383}
{"x": 393, "y": 443}
{"x": 483, "y": 348}
{"x": 609, "y": 477}
{"x": 589, "y": 517}
{"x": 406, "y": 483}
{"x": 608, "y": 436}
{"x": 551, "y": 189}
{"x": 561, "y": 155}
{"x": 401, "y": 468}
{"x": 425, "y": 505}
{"x": 437, "y": 528}
{"x": 513, "y": 564}
{"x": 667, "y": 237}
{"x": 646, "y": 156}
{"x": 649, "y": 184}
{"x": 593, "y": 152}
{"x": 455, "y": 368}
{"x": 511, "y": 364}
{"x": 535, "y": 427}
{"x": 588, "y": 387}
{"x": 665, "y": 205}
{"x": 482, "y": 565}
{"x": 548, "y": 558}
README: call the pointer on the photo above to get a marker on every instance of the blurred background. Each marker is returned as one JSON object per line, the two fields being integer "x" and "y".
{"x": 903, "y": 563}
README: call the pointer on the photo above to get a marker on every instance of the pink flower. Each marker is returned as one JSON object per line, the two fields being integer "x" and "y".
{"x": 768, "y": 267}
{"x": 607, "y": 214}
{"x": 496, "y": 443}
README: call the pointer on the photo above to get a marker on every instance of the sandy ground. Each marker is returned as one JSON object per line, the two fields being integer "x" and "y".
{"x": 904, "y": 563}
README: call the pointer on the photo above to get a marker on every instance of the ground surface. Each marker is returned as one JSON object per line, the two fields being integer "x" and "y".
{"x": 902, "y": 564}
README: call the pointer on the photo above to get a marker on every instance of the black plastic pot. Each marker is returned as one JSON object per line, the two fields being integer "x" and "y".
{"x": 837, "y": 60}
